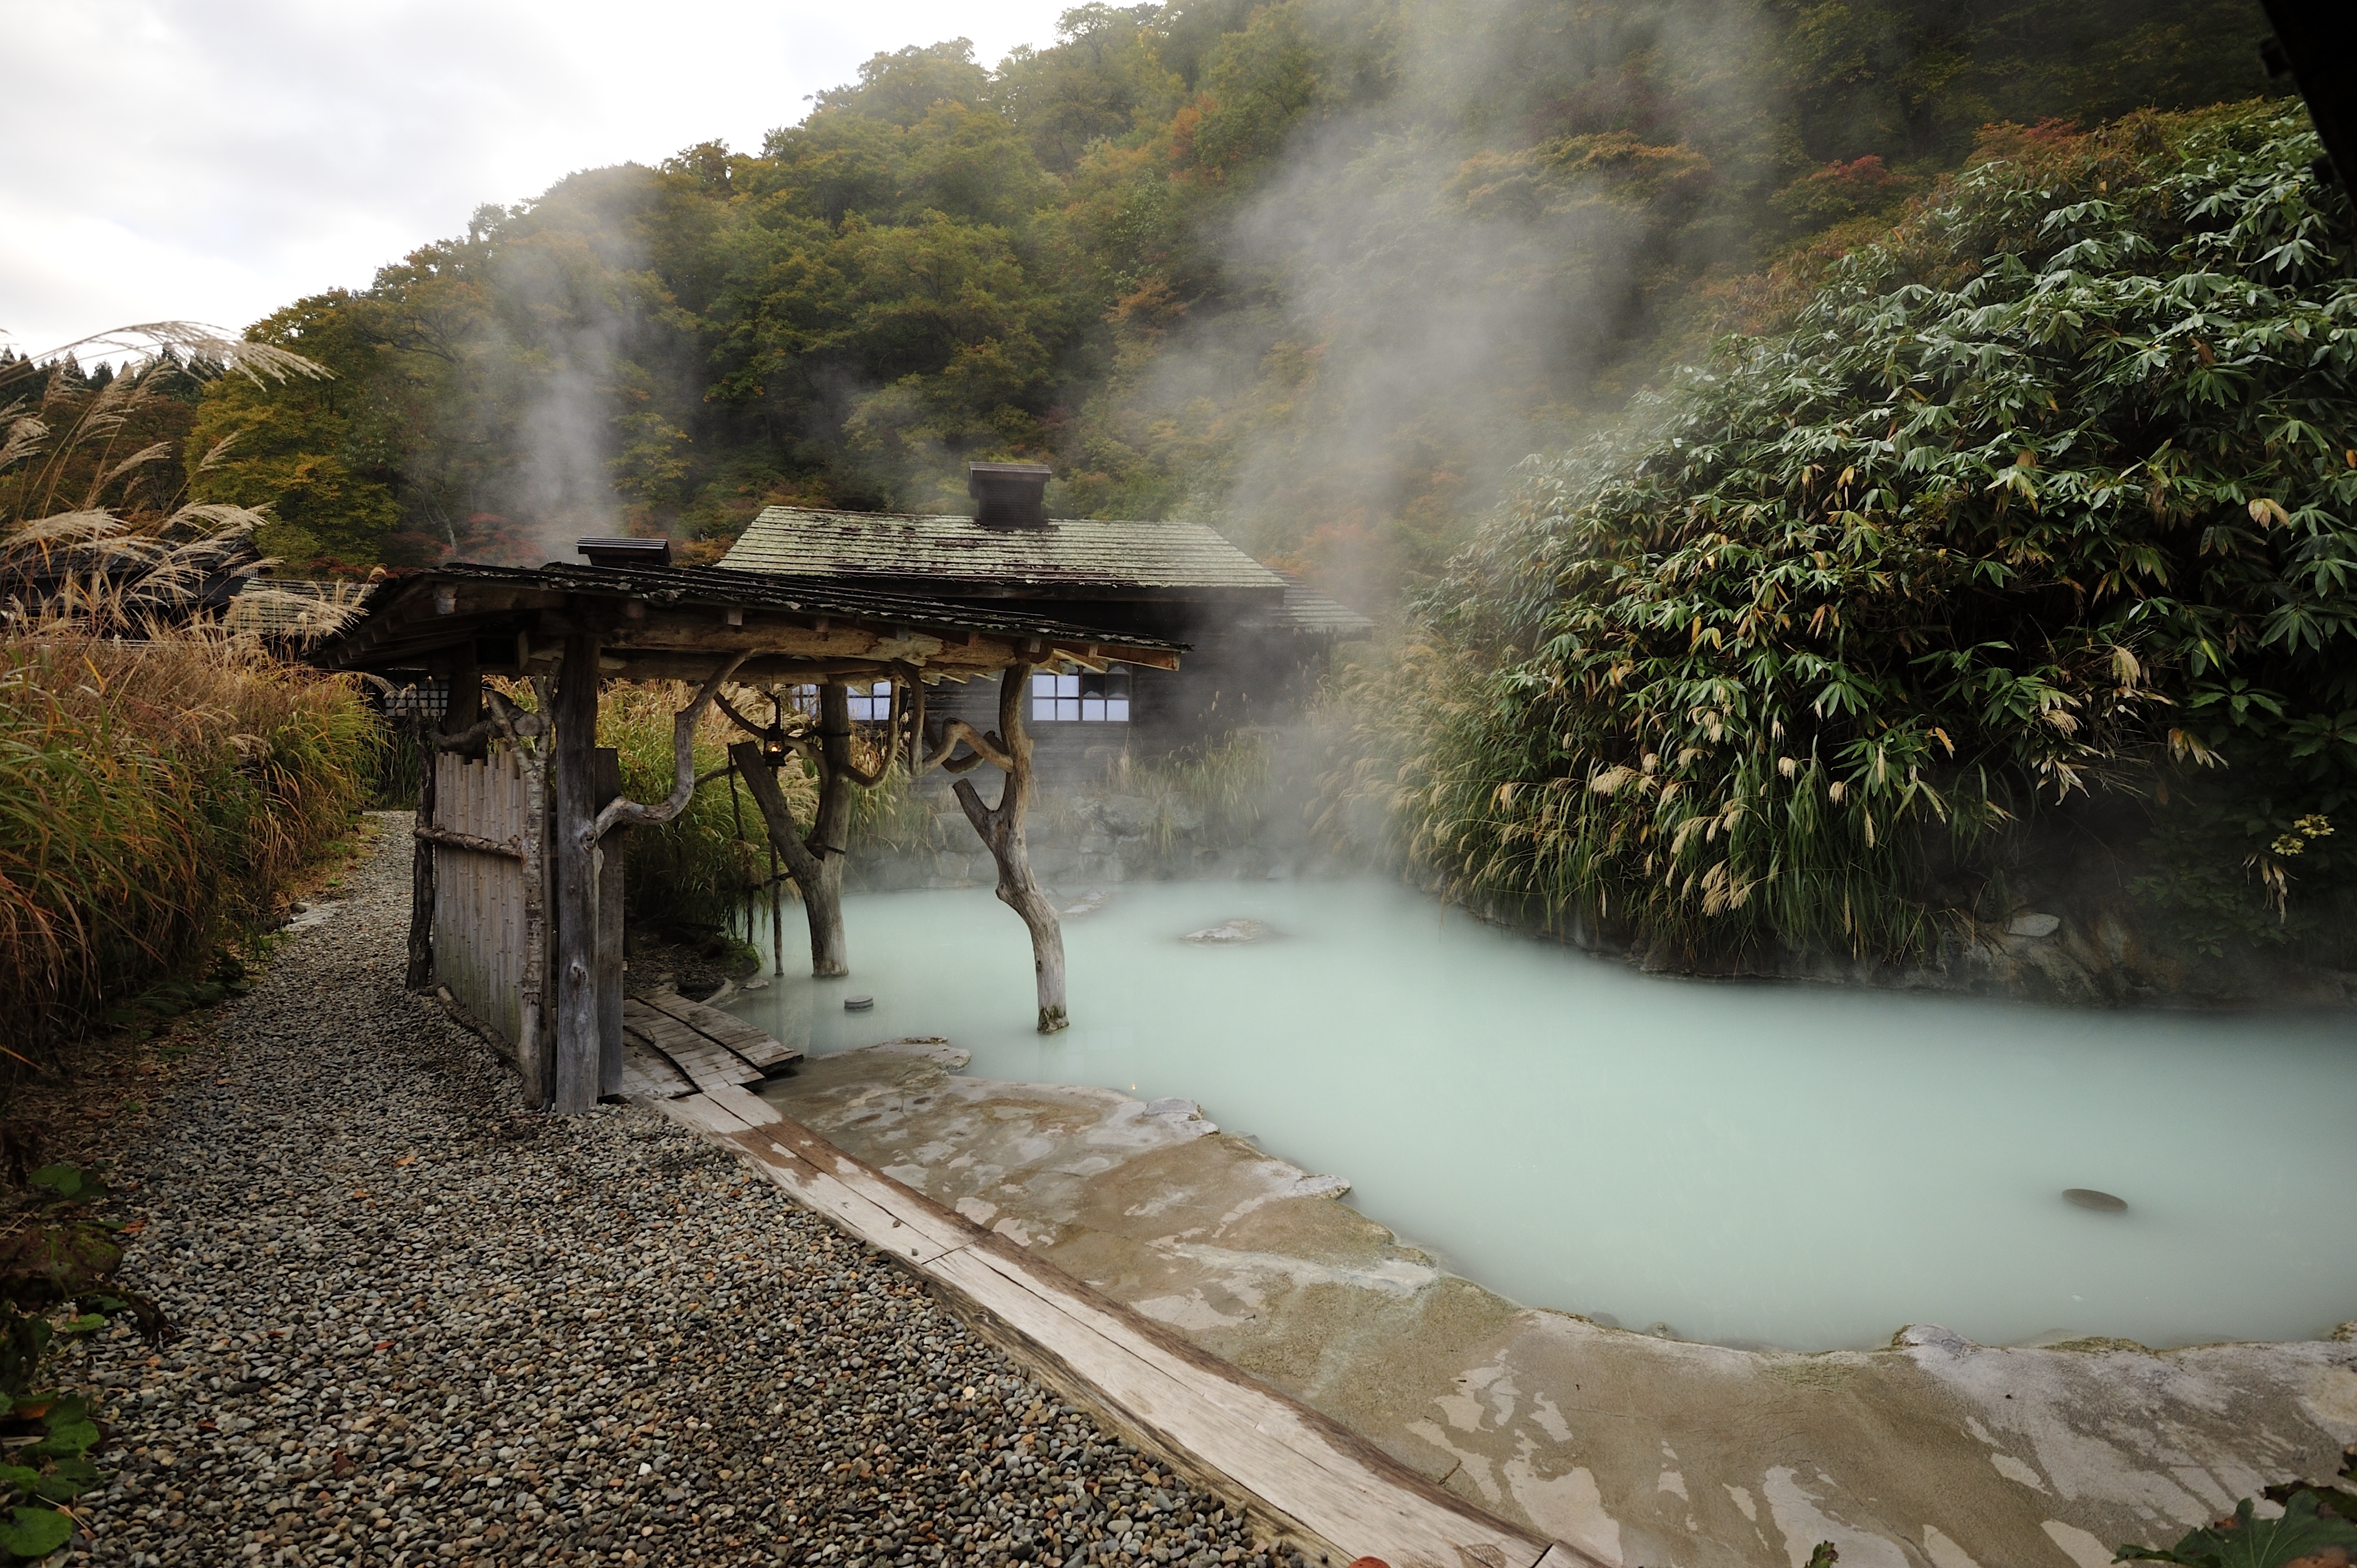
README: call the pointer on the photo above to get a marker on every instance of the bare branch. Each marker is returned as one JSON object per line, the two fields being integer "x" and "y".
{"x": 739, "y": 720}
{"x": 985, "y": 748}
{"x": 628, "y": 813}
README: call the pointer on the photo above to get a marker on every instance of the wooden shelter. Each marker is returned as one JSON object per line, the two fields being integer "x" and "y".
{"x": 1256, "y": 638}
{"x": 568, "y": 629}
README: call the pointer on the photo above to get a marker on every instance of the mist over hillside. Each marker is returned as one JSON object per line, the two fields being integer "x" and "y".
{"x": 1320, "y": 273}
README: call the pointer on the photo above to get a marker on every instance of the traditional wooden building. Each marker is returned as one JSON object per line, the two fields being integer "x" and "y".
{"x": 1256, "y": 636}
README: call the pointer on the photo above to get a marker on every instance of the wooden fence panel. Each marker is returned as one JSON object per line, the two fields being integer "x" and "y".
{"x": 479, "y": 923}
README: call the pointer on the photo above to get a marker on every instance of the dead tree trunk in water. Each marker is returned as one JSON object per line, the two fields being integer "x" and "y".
{"x": 1001, "y": 827}
{"x": 813, "y": 860}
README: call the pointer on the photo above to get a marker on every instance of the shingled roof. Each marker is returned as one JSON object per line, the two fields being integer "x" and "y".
{"x": 1313, "y": 614}
{"x": 956, "y": 556}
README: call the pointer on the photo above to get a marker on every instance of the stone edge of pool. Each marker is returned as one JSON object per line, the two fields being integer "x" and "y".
{"x": 1628, "y": 1448}
{"x": 1321, "y": 1483}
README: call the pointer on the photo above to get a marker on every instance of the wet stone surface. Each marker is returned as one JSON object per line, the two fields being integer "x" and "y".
{"x": 420, "y": 1326}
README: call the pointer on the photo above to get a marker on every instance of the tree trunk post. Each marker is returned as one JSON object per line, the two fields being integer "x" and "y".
{"x": 817, "y": 875}
{"x": 573, "y": 852}
{"x": 606, "y": 860}
{"x": 1001, "y": 829}
{"x": 420, "y": 974}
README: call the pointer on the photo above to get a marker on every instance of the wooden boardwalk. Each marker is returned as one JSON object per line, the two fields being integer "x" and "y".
{"x": 673, "y": 1046}
{"x": 1321, "y": 1483}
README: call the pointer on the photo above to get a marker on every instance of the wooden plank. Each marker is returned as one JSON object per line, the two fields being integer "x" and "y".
{"x": 756, "y": 1047}
{"x": 1323, "y": 1493}
{"x": 815, "y": 1188}
{"x": 1322, "y": 1481}
{"x": 647, "y": 1072}
{"x": 1159, "y": 1355}
{"x": 747, "y": 1106}
{"x": 707, "y": 1063}
{"x": 905, "y": 1204}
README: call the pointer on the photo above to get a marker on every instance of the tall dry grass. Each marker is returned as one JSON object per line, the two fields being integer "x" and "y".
{"x": 159, "y": 774}
{"x": 152, "y": 795}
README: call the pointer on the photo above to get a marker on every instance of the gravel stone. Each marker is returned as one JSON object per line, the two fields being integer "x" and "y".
{"x": 421, "y": 1326}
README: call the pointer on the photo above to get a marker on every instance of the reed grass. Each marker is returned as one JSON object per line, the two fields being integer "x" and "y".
{"x": 1215, "y": 794}
{"x": 160, "y": 775}
{"x": 152, "y": 793}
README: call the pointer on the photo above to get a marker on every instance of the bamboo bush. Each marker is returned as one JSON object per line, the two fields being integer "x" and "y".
{"x": 2047, "y": 497}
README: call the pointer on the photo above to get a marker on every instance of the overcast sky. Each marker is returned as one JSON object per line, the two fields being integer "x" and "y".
{"x": 213, "y": 160}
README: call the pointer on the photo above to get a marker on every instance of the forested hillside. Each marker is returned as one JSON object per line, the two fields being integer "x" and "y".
{"x": 1321, "y": 270}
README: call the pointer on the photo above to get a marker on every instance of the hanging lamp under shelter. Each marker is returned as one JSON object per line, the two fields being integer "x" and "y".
{"x": 571, "y": 627}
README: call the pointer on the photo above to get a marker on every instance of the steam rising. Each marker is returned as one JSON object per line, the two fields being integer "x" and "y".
{"x": 1444, "y": 309}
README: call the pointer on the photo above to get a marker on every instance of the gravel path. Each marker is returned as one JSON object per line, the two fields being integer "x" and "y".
{"x": 424, "y": 1326}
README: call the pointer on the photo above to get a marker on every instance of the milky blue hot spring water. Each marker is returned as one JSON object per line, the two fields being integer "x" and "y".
{"x": 1746, "y": 1164}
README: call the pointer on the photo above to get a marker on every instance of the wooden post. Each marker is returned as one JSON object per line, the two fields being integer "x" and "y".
{"x": 465, "y": 709}
{"x": 463, "y": 712}
{"x": 806, "y": 861}
{"x": 572, "y": 854}
{"x": 420, "y": 973}
{"x": 610, "y": 857}
{"x": 915, "y": 761}
{"x": 1001, "y": 827}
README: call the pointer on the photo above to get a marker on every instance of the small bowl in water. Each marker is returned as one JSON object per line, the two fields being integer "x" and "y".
{"x": 858, "y": 1004}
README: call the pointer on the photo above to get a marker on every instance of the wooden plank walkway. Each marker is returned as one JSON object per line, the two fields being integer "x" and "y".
{"x": 1322, "y": 1483}
{"x": 673, "y": 1047}
{"x": 733, "y": 1031}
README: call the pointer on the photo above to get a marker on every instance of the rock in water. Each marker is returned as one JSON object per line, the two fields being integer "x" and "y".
{"x": 2088, "y": 1197}
{"x": 2033, "y": 924}
{"x": 1227, "y": 931}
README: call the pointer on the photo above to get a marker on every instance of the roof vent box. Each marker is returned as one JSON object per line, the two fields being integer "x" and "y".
{"x": 1008, "y": 495}
{"x": 626, "y": 552}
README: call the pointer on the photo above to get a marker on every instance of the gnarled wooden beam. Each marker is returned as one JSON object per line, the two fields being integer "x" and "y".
{"x": 628, "y": 813}
{"x": 980, "y": 749}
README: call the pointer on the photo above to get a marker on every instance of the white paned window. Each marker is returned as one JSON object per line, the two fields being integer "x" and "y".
{"x": 871, "y": 704}
{"x": 1082, "y": 698}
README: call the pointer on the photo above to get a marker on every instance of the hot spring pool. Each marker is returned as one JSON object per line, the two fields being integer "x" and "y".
{"x": 1795, "y": 1166}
